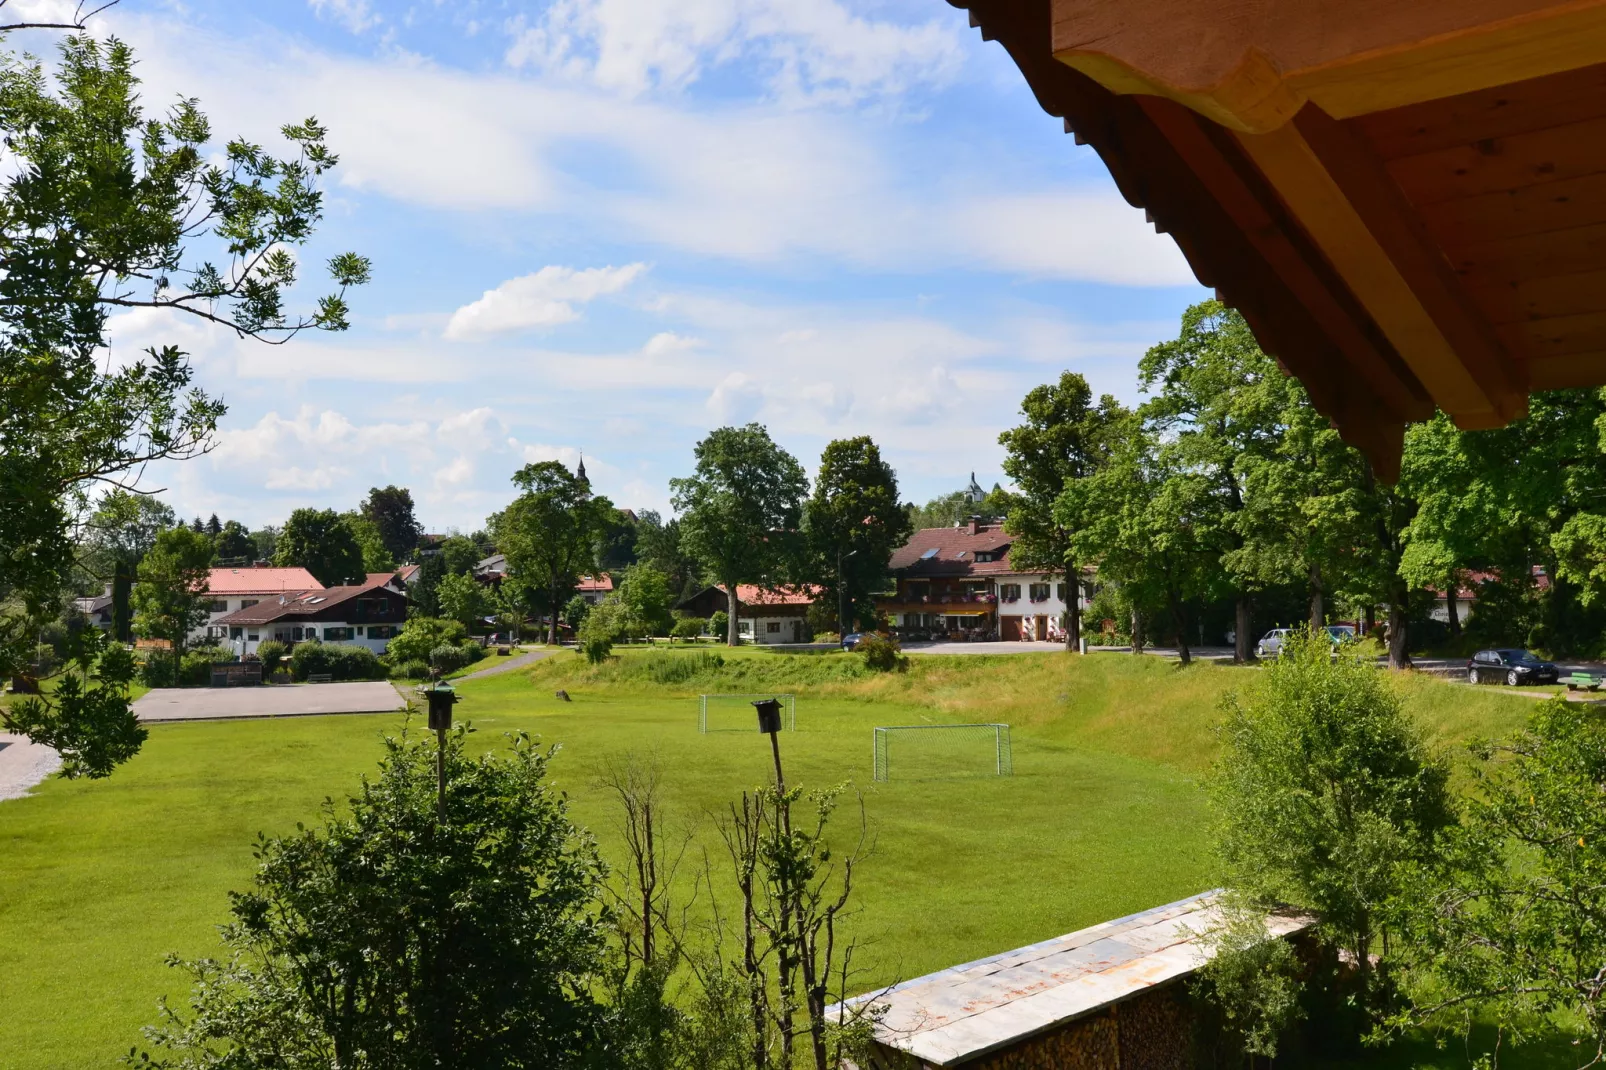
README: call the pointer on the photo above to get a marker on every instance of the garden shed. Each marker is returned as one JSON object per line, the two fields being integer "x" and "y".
{"x": 1108, "y": 997}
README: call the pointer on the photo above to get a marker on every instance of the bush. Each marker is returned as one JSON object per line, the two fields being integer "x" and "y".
{"x": 882, "y": 654}
{"x": 338, "y": 661}
{"x": 688, "y": 628}
{"x": 596, "y": 636}
{"x": 197, "y": 664}
{"x": 719, "y": 624}
{"x": 448, "y": 658}
{"x": 576, "y": 612}
{"x": 472, "y": 651}
{"x": 269, "y": 651}
{"x": 412, "y": 670}
{"x": 44, "y": 659}
{"x": 420, "y": 636}
{"x": 156, "y": 670}
{"x": 681, "y": 668}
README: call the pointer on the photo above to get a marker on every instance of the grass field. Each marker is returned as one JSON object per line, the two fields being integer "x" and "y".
{"x": 99, "y": 880}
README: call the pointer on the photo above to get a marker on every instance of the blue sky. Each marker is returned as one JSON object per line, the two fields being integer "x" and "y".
{"x": 611, "y": 225}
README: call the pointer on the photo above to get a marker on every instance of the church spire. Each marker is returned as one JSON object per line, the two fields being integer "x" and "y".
{"x": 581, "y": 471}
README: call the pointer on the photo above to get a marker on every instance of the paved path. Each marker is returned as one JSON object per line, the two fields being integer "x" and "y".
{"x": 297, "y": 700}
{"x": 509, "y": 664}
{"x": 23, "y": 764}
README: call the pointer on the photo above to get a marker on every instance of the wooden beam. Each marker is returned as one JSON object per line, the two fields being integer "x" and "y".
{"x": 1242, "y": 193}
{"x": 1252, "y": 64}
{"x": 1346, "y": 201}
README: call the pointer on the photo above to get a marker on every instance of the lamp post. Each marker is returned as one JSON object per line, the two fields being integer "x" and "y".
{"x": 769, "y": 720}
{"x": 842, "y": 592}
{"x": 441, "y": 700}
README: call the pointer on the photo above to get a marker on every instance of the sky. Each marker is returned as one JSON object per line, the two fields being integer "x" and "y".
{"x": 606, "y": 227}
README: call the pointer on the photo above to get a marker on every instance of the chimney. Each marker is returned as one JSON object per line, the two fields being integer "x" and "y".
{"x": 975, "y": 525}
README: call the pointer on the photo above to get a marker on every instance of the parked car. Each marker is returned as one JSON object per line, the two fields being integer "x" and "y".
{"x": 1271, "y": 644}
{"x": 1342, "y": 633}
{"x": 1515, "y": 667}
{"x": 851, "y": 640}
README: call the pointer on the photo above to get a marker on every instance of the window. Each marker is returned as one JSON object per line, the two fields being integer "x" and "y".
{"x": 249, "y": 602}
{"x": 218, "y": 605}
{"x": 235, "y": 633}
{"x": 772, "y": 626}
{"x": 744, "y": 626}
{"x": 1062, "y": 592}
{"x": 251, "y": 637}
{"x": 382, "y": 631}
{"x": 1009, "y": 592}
{"x": 336, "y": 635}
{"x": 297, "y": 633}
{"x": 1039, "y": 592}
{"x": 929, "y": 554}
{"x": 984, "y": 555}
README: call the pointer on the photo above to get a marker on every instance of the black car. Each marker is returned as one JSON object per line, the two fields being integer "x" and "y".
{"x": 1514, "y": 667}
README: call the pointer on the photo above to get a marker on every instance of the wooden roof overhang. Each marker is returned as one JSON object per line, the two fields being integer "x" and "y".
{"x": 1406, "y": 201}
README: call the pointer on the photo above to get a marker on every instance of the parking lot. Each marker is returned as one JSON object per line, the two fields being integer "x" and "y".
{"x": 293, "y": 700}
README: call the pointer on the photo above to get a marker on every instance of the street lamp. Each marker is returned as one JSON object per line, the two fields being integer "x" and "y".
{"x": 842, "y": 592}
{"x": 442, "y": 698}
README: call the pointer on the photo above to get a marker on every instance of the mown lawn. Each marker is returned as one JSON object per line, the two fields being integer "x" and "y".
{"x": 99, "y": 880}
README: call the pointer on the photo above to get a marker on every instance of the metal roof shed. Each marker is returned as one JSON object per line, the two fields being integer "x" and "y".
{"x": 1098, "y": 997}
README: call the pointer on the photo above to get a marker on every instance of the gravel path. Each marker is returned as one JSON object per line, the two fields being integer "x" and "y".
{"x": 509, "y": 664}
{"x": 23, "y": 764}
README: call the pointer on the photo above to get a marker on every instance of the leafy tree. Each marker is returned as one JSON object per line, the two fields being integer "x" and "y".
{"x": 1138, "y": 517}
{"x": 576, "y": 611}
{"x": 170, "y": 599}
{"x": 460, "y": 554}
{"x": 854, "y": 523}
{"x": 376, "y": 556}
{"x": 388, "y": 937}
{"x": 1323, "y": 791}
{"x": 1509, "y": 923}
{"x": 98, "y": 212}
{"x": 423, "y": 599}
{"x": 463, "y": 599}
{"x": 390, "y": 510}
{"x": 616, "y": 548}
{"x": 1217, "y": 404}
{"x": 1064, "y": 438}
{"x": 233, "y": 543}
{"x": 214, "y": 527}
{"x": 87, "y": 719}
{"x": 550, "y": 531}
{"x": 658, "y": 543}
{"x": 421, "y": 635}
{"x": 741, "y": 509}
{"x": 121, "y": 531}
{"x": 322, "y": 542}
{"x": 266, "y": 539}
{"x": 644, "y": 592}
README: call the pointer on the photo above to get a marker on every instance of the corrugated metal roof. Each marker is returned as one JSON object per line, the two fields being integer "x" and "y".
{"x": 963, "y": 1012}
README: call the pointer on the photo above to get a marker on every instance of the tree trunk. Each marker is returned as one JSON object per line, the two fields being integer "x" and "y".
{"x": 1073, "y": 610}
{"x": 1454, "y": 617}
{"x": 1398, "y": 658}
{"x": 1318, "y": 611}
{"x": 731, "y": 635}
{"x": 1181, "y": 622}
{"x": 122, "y": 587}
{"x": 1369, "y": 618}
{"x": 552, "y": 631}
{"x": 1137, "y": 631}
{"x": 1240, "y": 631}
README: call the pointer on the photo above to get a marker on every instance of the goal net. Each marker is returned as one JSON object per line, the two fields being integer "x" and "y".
{"x": 735, "y": 713}
{"x": 927, "y": 751}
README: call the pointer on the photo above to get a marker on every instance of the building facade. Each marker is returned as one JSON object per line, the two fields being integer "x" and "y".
{"x": 234, "y": 589}
{"x": 767, "y": 615}
{"x": 369, "y": 614}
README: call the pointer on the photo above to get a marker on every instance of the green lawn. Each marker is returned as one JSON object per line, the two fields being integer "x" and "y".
{"x": 99, "y": 880}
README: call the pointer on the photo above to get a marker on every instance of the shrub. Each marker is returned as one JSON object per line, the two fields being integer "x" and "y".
{"x": 420, "y": 636}
{"x": 719, "y": 624}
{"x": 269, "y": 651}
{"x": 576, "y": 612}
{"x": 688, "y": 628}
{"x": 44, "y": 659}
{"x": 596, "y": 636}
{"x": 412, "y": 670}
{"x": 680, "y": 668}
{"x": 448, "y": 658}
{"x": 156, "y": 670}
{"x": 882, "y": 654}
{"x": 338, "y": 661}
{"x": 472, "y": 651}
{"x": 197, "y": 664}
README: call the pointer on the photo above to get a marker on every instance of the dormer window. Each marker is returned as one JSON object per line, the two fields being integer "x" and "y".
{"x": 929, "y": 554}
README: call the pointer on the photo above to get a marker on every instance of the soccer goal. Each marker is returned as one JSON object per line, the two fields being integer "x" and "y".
{"x": 925, "y": 751}
{"x": 735, "y": 713}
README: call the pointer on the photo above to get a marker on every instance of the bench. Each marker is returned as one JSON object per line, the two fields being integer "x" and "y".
{"x": 1582, "y": 681}
{"x": 319, "y": 678}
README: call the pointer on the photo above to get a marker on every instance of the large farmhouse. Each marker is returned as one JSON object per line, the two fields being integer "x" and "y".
{"x": 959, "y": 583}
{"x": 233, "y": 589}
{"x": 767, "y": 615}
{"x": 368, "y": 614}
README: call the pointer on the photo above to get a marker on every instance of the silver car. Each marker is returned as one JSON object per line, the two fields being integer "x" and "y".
{"x": 1271, "y": 644}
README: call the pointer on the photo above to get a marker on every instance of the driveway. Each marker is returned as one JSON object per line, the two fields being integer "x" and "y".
{"x": 1050, "y": 648}
{"x": 508, "y": 664}
{"x": 292, "y": 700}
{"x": 23, "y": 764}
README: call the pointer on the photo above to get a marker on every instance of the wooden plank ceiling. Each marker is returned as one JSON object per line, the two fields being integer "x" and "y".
{"x": 1409, "y": 208}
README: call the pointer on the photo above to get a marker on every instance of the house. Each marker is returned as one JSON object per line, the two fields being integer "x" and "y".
{"x": 407, "y": 575}
{"x": 960, "y": 581}
{"x": 233, "y": 589}
{"x": 491, "y": 569}
{"x": 594, "y": 588}
{"x": 368, "y": 614}
{"x": 766, "y": 615}
{"x": 1109, "y": 997}
{"x": 98, "y": 608}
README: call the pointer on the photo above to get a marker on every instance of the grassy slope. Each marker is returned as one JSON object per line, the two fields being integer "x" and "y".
{"x": 99, "y": 880}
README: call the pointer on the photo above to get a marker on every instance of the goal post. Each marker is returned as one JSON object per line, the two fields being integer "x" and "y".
{"x": 734, "y": 713}
{"x": 942, "y": 750}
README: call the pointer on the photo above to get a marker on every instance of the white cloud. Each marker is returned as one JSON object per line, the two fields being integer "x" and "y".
{"x": 669, "y": 342}
{"x": 293, "y": 478}
{"x": 810, "y": 50}
{"x": 736, "y": 400}
{"x": 544, "y": 299}
{"x": 354, "y": 15}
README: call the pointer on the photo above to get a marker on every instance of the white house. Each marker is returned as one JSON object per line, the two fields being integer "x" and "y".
{"x": 369, "y": 614}
{"x": 233, "y": 589}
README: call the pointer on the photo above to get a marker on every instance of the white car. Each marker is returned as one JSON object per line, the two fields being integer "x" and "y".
{"x": 1271, "y": 643}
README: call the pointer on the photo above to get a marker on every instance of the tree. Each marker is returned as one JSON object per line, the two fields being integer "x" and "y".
{"x": 119, "y": 534}
{"x": 423, "y": 597}
{"x": 234, "y": 543}
{"x": 388, "y": 937}
{"x": 170, "y": 599}
{"x": 854, "y": 523}
{"x": 390, "y": 510}
{"x": 1217, "y": 407}
{"x": 266, "y": 539}
{"x": 658, "y": 543}
{"x": 550, "y": 531}
{"x": 460, "y": 554}
{"x": 616, "y": 549}
{"x": 1323, "y": 791}
{"x": 1064, "y": 438}
{"x": 463, "y": 599}
{"x": 740, "y": 511}
{"x": 320, "y": 541}
{"x": 214, "y": 527}
{"x": 376, "y": 556}
{"x": 88, "y": 719}
{"x": 644, "y": 592}
{"x": 1509, "y": 922}
{"x": 99, "y": 209}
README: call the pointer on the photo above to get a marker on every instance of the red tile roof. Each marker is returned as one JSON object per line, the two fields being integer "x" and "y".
{"x": 260, "y": 580}
{"x": 952, "y": 551}
{"x": 303, "y": 603}
{"x": 603, "y": 582}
